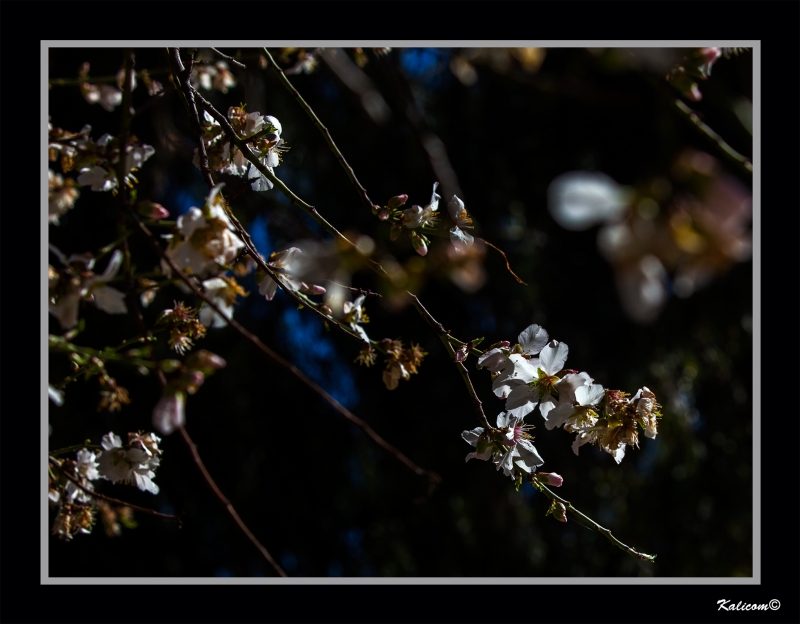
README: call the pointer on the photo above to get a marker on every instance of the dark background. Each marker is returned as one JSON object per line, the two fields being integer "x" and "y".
{"x": 319, "y": 495}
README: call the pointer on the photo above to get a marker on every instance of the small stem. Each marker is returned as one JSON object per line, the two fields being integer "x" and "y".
{"x": 726, "y": 149}
{"x": 226, "y": 503}
{"x": 59, "y": 344}
{"x": 443, "y": 336}
{"x": 592, "y": 524}
{"x": 230, "y": 58}
{"x": 325, "y": 133}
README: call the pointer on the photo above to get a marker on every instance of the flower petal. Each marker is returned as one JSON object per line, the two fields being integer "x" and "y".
{"x": 553, "y": 357}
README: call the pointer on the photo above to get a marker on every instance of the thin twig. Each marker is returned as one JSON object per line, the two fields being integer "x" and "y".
{"x": 226, "y": 503}
{"x": 325, "y": 133}
{"x": 360, "y": 291}
{"x": 502, "y": 253}
{"x": 108, "y": 499}
{"x": 591, "y": 523}
{"x": 182, "y": 77}
{"x": 743, "y": 162}
{"x": 437, "y": 327}
{"x": 230, "y": 58}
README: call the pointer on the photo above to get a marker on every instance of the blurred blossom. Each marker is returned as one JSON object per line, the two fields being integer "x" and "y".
{"x": 692, "y": 234}
{"x": 500, "y": 60}
{"x": 642, "y": 288}
{"x": 580, "y": 199}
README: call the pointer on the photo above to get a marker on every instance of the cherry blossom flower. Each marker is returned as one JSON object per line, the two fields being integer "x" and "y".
{"x": 353, "y": 314}
{"x": 460, "y": 239}
{"x": 81, "y": 283}
{"x": 532, "y": 382}
{"x": 134, "y": 464}
{"x": 415, "y": 216}
{"x": 509, "y": 446}
{"x": 284, "y": 261}
{"x": 85, "y": 471}
{"x": 223, "y": 292}
{"x": 208, "y": 239}
{"x": 577, "y": 395}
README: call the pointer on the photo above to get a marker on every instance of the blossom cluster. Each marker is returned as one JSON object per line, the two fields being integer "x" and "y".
{"x": 262, "y": 133}
{"x": 134, "y": 463}
{"x": 96, "y": 161}
{"x": 531, "y": 374}
{"x": 416, "y": 219}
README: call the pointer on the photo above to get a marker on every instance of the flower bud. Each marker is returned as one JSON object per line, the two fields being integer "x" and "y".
{"x": 551, "y": 478}
{"x": 375, "y": 209}
{"x": 419, "y": 244}
{"x": 503, "y": 344}
{"x": 461, "y": 354}
{"x": 383, "y": 215}
{"x": 316, "y": 289}
{"x": 395, "y": 231}
{"x": 558, "y": 511}
{"x": 152, "y": 210}
{"x": 397, "y": 201}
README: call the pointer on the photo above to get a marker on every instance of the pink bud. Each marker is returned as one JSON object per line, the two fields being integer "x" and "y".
{"x": 383, "y": 215}
{"x": 152, "y": 210}
{"x": 551, "y": 478}
{"x": 419, "y": 245}
{"x": 561, "y": 513}
{"x": 503, "y": 344}
{"x": 316, "y": 290}
{"x": 460, "y": 355}
{"x": 397, "y": 201}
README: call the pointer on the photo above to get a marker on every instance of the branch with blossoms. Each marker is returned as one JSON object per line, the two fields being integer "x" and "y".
{"x": 206, "y": 251}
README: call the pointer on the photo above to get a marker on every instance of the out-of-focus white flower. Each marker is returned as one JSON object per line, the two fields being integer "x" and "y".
{"x": 107, "y": 96}
{"x": 460, "y": 239}
{"x": 86, "y": 285}
{"x": 393, "y": 374}
{"x": 169, "y": 413}
{"x": 415, "y": 216}
{"x": 99, "y": 178}
{"x": 642, "y": 288}
{"x": 223, "y": 292}
{"x": 56, "y": 395}
{"x": 284, "y": 261}
{"x": 580, "y": 199}
{"x": 135, "y": 466}
{"x": 61, "y": 196}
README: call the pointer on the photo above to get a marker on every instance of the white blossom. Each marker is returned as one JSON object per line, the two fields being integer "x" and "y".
{"x": 285, "y": 261}
{"x": 415, "y": 216}
{"x": 460, "y": 239}
{"x": 530, "y": 382}
{"x": 208, "y": 239}
{"x": 576, "y": 395}
{"x": 89, "y": 286}
{"x": 135, "y": 466}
